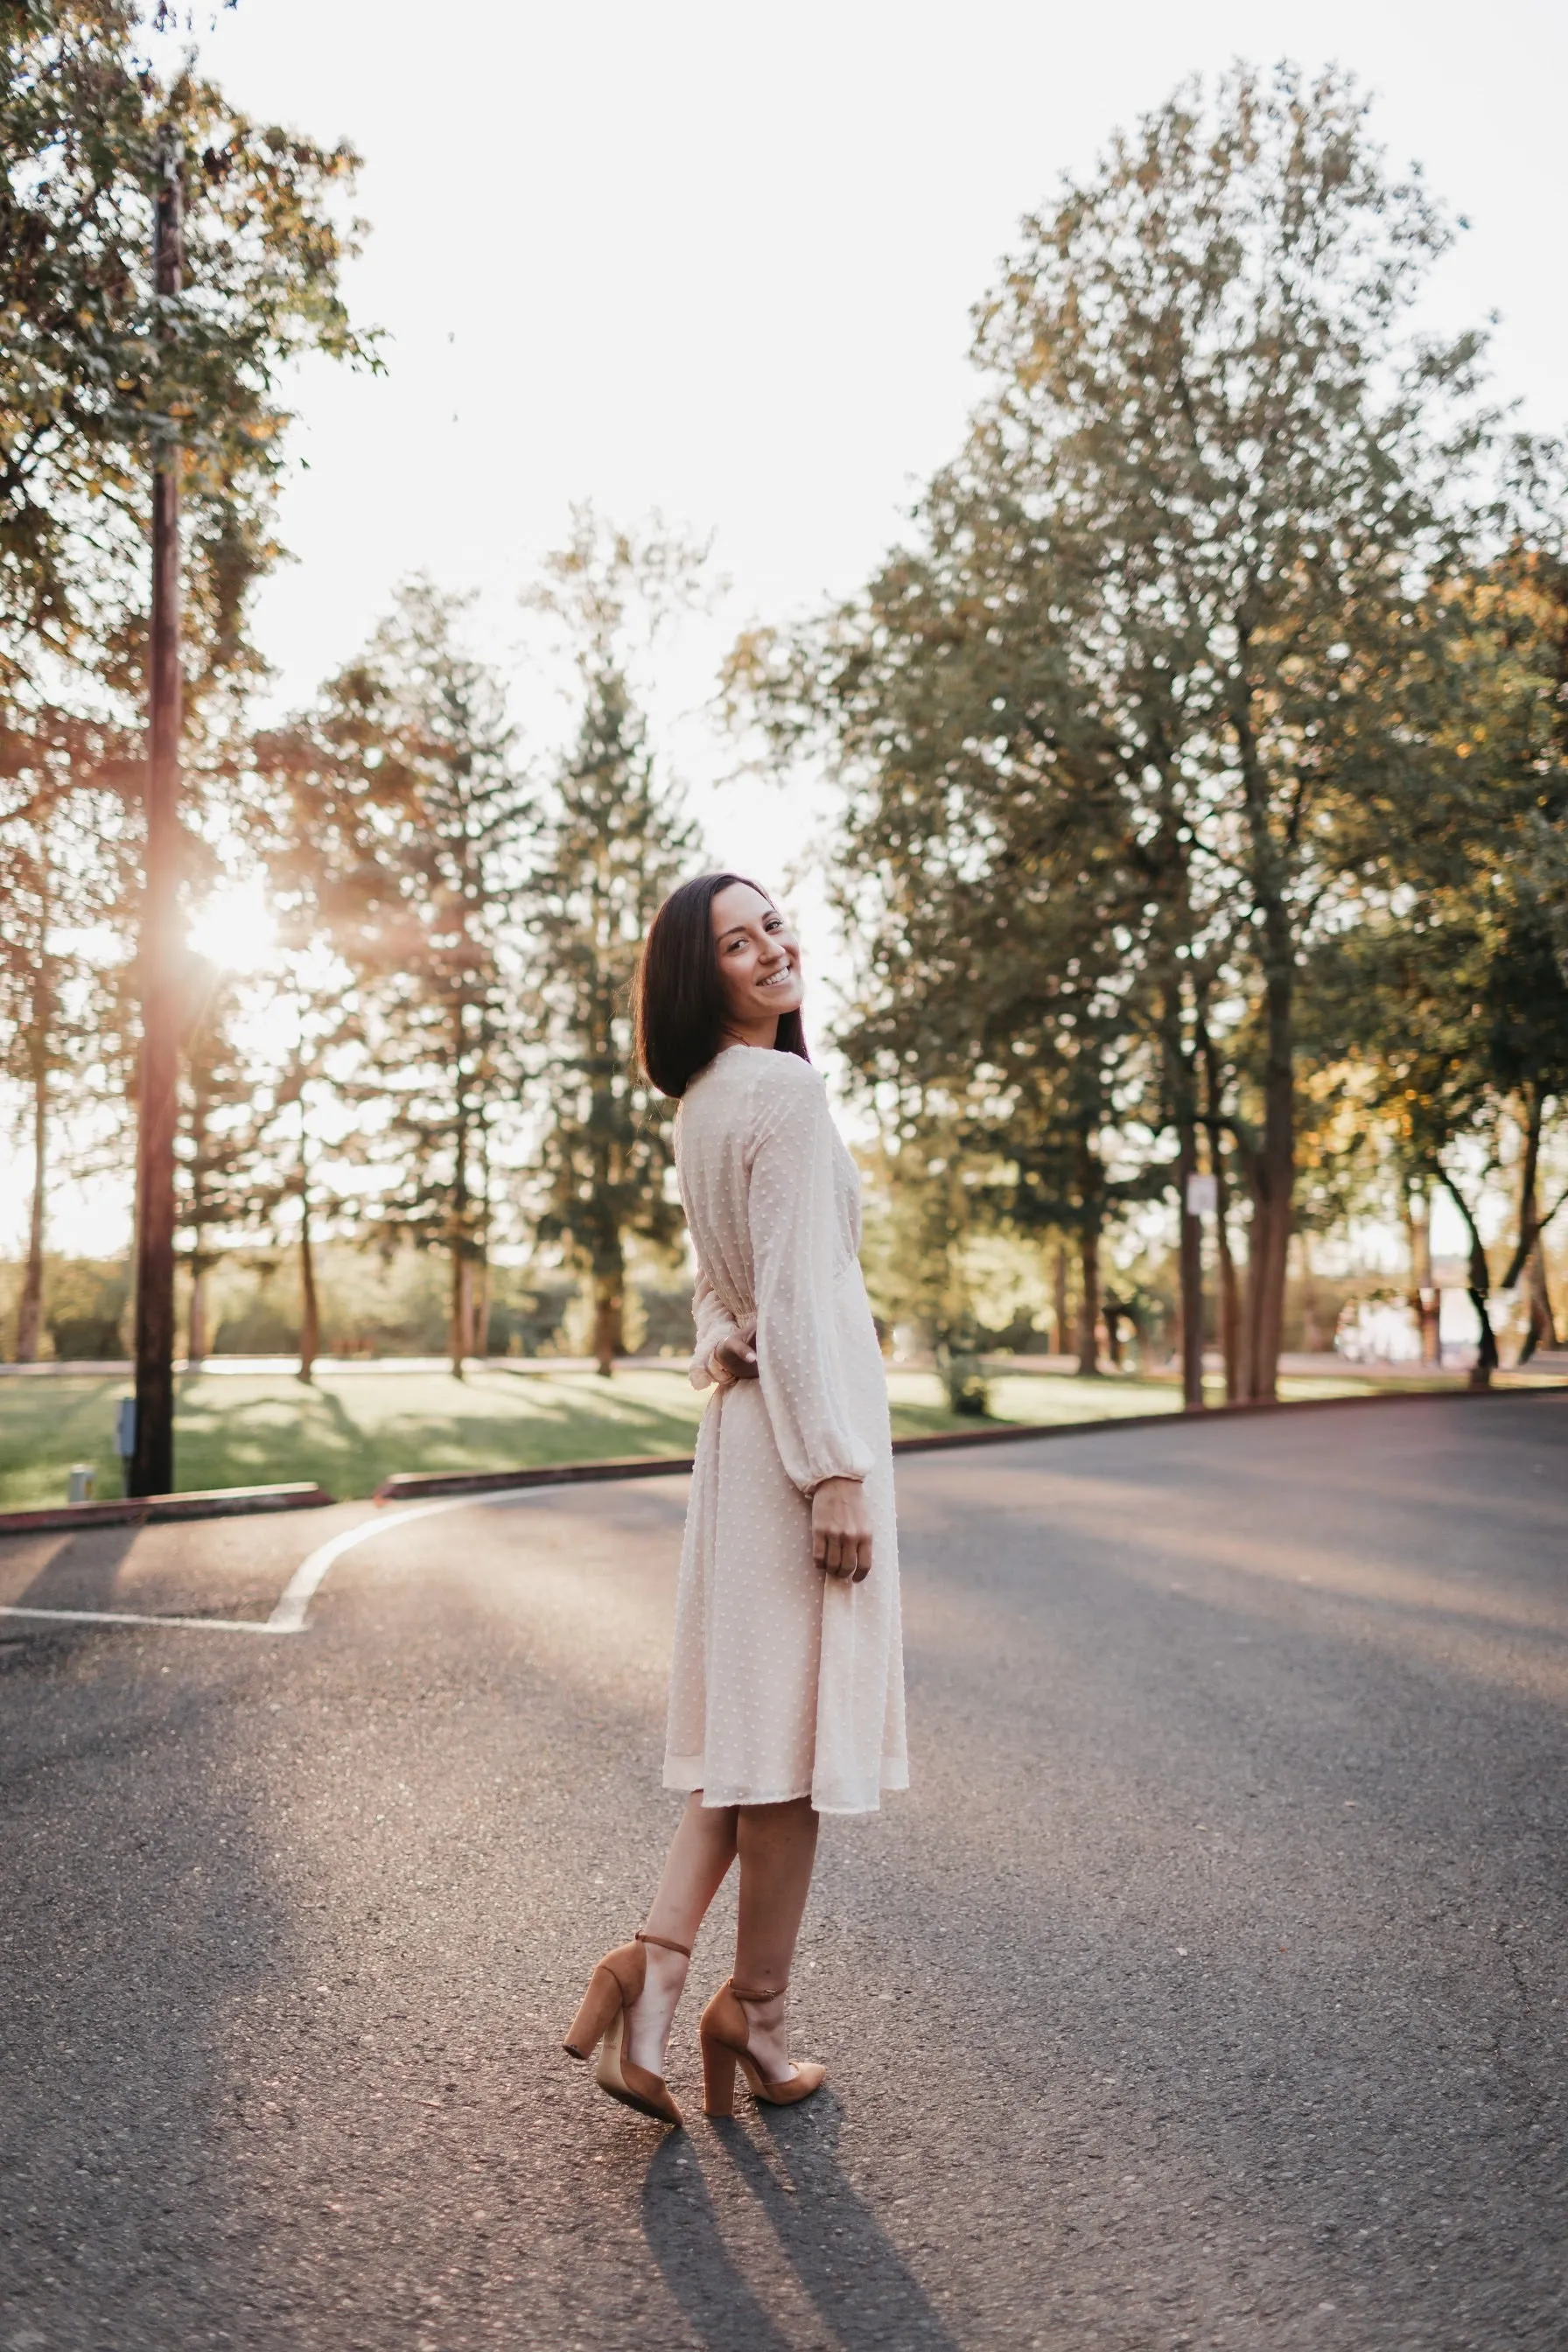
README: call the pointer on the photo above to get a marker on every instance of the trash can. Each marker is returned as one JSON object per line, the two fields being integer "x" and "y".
{"x": 81, "y": 1475}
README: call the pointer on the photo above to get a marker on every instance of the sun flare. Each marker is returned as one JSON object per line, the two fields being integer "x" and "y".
{"x": 234, "y": 928}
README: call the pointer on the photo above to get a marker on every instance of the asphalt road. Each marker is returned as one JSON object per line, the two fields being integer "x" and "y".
{"x": 1206, "y": 1989}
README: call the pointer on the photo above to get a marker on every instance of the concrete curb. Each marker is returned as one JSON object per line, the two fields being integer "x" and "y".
{"x": 136, "y": 1510}
{"x": 408, "y": 1485}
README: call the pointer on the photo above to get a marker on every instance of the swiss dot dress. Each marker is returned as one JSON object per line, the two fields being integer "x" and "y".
{"x": 786, "y": 1682}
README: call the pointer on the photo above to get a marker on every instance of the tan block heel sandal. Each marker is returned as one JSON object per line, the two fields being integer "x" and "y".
{"x": 615, "y": 1989}
{"x": 726, "y": 2043}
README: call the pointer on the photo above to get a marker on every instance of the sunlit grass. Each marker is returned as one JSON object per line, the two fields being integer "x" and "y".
{"x": 355, "y": 1428}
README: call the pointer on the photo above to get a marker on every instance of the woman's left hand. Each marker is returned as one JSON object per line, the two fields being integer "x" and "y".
{"x": 841, "y": 1530}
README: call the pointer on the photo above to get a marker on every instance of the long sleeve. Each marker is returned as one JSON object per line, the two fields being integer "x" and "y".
{"x": 793, "y": 1217}
{"x": 714, "y": 1325}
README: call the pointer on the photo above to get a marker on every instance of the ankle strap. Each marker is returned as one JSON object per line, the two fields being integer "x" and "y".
{"x": 664, "y": 1944}
{"x": 748, "y": 1992}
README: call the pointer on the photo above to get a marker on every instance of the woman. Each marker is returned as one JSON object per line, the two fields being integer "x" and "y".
{"x": 787, "y": 1700}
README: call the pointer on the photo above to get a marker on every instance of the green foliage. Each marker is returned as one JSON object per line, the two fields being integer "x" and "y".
{"x": 614, "y": 845}
{"x": 397, "y": 833}
{"x": 1170, "y": 664}
{"x": 100, "y": 374}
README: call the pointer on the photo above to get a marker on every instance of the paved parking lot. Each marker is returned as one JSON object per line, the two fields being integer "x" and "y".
{"x": 1207, "y": 1988}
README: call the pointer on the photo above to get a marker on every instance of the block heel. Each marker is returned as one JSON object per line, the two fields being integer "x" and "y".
{"x": 600, "y": 2004}
{"x": 726, "y": 2037}
{"x": 719, "y": 2063}
{"x": 601, "y": 2022}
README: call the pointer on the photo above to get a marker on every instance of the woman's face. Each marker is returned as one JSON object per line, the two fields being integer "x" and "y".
{"x": 759, "y": 961}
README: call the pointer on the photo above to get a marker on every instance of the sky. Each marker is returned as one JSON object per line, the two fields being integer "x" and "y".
{"x": 719, "y": 260}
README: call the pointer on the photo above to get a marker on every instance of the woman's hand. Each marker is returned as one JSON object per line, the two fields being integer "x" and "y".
{"x": 734, "y": 1358}
{"x": 841, "y": 1530}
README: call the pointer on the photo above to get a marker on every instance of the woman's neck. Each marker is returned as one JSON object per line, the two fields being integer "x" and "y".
{"x": 764, "y": 1033}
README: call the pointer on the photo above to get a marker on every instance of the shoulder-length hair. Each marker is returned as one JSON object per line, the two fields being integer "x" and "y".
{"x": 679, "y": 997}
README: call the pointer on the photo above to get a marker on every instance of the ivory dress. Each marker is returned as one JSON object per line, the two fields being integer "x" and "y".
{"x": 786, "y": 1682}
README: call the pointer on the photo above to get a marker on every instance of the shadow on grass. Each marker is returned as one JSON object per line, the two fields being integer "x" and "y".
{"x": 352, "y": 1428}
{"x": 47, "y": 1424}
{"x": 351, "y": 1434}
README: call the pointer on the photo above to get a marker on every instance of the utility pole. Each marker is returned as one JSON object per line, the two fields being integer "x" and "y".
{"x": 152, "y": 1467}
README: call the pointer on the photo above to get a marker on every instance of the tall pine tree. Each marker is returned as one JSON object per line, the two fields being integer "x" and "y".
{"x": 615, "y": 845}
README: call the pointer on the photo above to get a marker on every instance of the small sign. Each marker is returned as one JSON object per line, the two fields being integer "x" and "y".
{"x": 1203, "y": 1195}
{"x": 125, "y": 1428}
{"x": 1451, "y": 1273}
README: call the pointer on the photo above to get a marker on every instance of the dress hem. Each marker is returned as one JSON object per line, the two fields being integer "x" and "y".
{"x": 684, "y": 1775}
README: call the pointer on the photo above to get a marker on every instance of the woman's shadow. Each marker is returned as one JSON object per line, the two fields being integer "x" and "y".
{"x": 857, "y": 2284}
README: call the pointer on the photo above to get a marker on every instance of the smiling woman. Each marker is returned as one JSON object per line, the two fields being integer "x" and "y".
{"x": 786, "y": 1700}
{"x": 720, "y": 960}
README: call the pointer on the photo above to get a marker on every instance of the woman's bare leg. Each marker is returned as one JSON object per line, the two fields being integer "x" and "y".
{"x": 700, "y": 1854}
{"x": 778, "y": 1845}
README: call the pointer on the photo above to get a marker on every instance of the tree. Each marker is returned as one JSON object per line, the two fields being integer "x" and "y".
{"x": 65, "y": 849}
{"x": 1462, "y": 960}
{"x": 221, "y": 1183}
{"x": 1023, "y": 906}
{"x": 324, "y": 1034}
{"x": 106, "y": 379}
{"x": 393, "y": 817}
{"x": 614, "y": 844}
{"x": 1207, "y": 484}
{"x": 1200, "y": 375}
{"x": 97, "y": 372}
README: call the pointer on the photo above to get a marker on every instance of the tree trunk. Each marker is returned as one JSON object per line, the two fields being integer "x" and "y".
{"x": 480, "y": 1345}
{"x": 1424, "y": 1297}
{"x": 1274, "y": 1176}
{"x": 1229, "y": 1296}
{"x": 1485, "y": 1362}
{"x": 1088, "y": 1304}
{"x": 1061, "y": 1342}
{"x": 1529, "y": 1261}
{"x": 1543, "y": 1330}
{"x": 1190, "y": 1270}
{"x": 30, "y": 1313}
{"x": 196, "y": 1317}
{"x": 609, "y": 1306}
{"x": 460, "y": 1308}
{"x": 1229, "y": 1301}
{"x": 1277, "y": 1173}
{"x": 310, "y": 1309}
{"x": 1311, "y": 1337}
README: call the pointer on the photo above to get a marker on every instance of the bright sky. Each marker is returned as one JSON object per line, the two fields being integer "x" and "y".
{"x": 719, "y": 258}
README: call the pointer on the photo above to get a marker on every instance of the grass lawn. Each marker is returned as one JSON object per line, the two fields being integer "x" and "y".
{"x": 354, "y": 1428}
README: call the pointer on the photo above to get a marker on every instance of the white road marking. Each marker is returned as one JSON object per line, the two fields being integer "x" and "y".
{"x": 125, "y": 1617}
{"x": 289, "y": 1616}
{"x": 302, "y": 1586}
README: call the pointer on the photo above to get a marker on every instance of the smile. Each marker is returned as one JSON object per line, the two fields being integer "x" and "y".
{"x": 775, "y": 979}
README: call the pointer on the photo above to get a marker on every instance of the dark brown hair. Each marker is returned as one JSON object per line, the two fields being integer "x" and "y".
{"x": 679, "y": 998}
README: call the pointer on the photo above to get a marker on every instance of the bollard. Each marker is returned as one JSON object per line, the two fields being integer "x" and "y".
{"x": 81, "y": 1475}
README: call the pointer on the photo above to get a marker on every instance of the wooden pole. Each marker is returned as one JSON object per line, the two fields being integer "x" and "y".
{"x": 152, "y": 1470}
